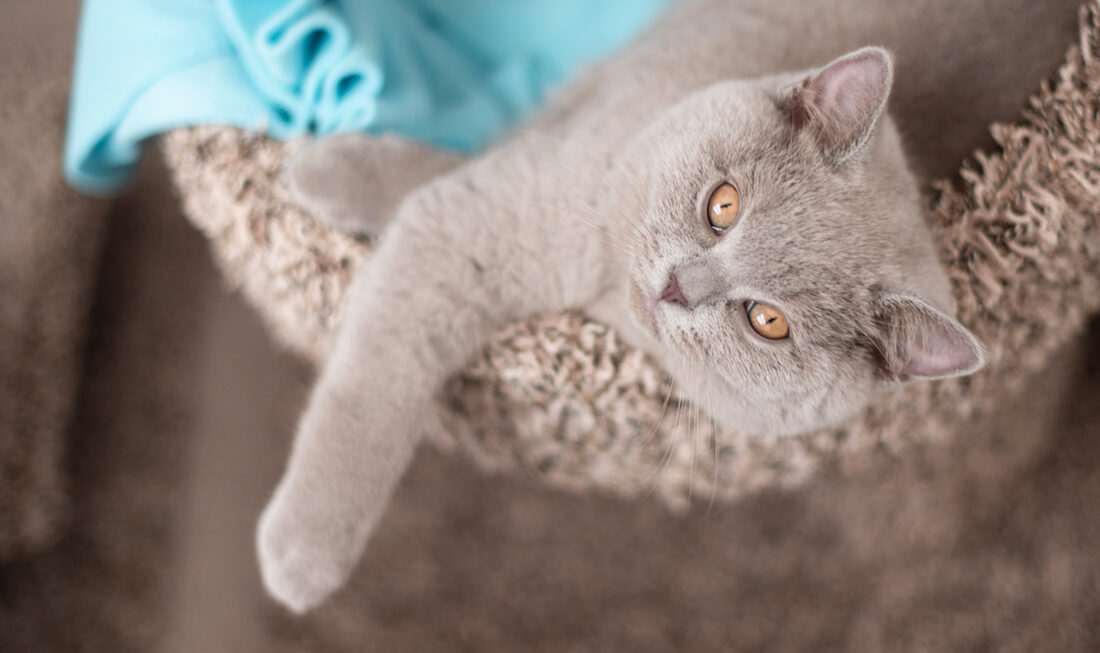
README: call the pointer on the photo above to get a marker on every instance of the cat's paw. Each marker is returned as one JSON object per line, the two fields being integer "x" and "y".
{"x": 302, "y": 559}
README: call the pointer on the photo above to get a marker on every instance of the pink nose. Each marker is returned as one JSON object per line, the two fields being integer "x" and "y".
{"x": 672, "y": 292}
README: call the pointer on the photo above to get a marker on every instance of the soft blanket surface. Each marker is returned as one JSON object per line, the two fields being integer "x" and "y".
{"x": 450, "y": 74}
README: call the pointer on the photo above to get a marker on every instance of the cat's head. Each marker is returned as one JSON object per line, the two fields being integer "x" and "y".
{"x": 782, "y": 250}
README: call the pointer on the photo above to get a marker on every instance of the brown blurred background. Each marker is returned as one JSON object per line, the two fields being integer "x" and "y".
{"x": 144, "y": 417}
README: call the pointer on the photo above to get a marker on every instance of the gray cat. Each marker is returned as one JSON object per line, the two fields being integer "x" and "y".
{"x": 758, "y": 231}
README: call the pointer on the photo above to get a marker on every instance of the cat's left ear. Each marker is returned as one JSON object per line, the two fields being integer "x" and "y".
{"x": 841, "y": 103}
{"x": 917, "y": 341}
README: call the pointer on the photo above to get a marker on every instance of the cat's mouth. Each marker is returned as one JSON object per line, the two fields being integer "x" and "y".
{"x": 646, "y": 308}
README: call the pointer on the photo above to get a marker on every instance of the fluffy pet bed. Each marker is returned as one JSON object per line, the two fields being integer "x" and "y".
{"x": 566, "y": 398}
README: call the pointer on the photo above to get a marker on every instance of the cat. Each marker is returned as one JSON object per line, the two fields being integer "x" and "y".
{"x": 729, "y": 193}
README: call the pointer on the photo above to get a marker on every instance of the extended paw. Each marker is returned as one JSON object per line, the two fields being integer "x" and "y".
{"x": 302, "y": 559}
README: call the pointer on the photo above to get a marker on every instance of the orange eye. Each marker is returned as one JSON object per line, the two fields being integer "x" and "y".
{"x": 768, "y": 321}
{"x": 722, "y": 207}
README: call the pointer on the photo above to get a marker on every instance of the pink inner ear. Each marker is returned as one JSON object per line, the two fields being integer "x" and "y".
{"x": 843, "y": 100}
{"x": 937, "y": 352}
{"x": 925, "y": 343}
{"x": 851, "y": 87}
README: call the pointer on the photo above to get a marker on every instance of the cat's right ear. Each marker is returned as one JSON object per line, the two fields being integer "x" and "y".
{"x": 841, "y": 103}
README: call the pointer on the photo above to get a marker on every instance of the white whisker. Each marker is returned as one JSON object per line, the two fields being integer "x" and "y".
{"x": 694, "y": 450}
{"x": 661, "y": 416}
{"x": 667, "y": 456}
{"x": 714, "y": 439}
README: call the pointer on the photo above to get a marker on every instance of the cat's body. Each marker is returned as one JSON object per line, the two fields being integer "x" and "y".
{"x": 602, "y": 204}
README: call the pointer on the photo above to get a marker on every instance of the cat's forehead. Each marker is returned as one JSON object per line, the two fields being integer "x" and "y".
{"x": 736, "y": 132}
{"x": 725, "y": 121}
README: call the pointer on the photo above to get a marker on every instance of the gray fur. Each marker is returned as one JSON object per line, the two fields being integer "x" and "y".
{"x": 354, "y": 181}
{"x": 600, "y": 201}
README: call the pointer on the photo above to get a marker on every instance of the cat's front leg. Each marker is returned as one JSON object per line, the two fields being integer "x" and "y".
{"x": 350, "y": 452}
{"x": 364, "y": 419}
{"x": 461, "y": 261}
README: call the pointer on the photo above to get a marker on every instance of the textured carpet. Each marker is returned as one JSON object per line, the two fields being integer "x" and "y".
{"x": 49, "y": 247}
{"x": 105, "y": 586}
{"x": 988, "y": 544}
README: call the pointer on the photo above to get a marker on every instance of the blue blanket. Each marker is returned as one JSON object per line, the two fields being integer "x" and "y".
{"x": 450, "y": 73}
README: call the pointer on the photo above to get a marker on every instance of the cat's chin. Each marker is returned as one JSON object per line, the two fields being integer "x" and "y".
{"x": 646, "y": 313}
{"x": 725, "y": 399}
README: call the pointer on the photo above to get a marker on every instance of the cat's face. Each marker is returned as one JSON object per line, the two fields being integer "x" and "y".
{"x": 781, "y": 249}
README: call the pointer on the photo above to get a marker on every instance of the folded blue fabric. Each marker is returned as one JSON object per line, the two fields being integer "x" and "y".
{"x": 449, "y": 73}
